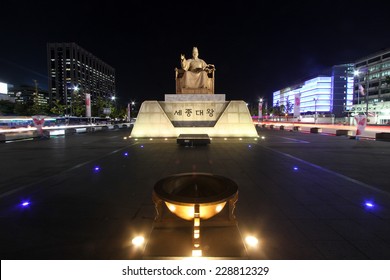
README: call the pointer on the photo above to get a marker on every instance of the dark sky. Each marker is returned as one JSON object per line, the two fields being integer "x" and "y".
{"x": 257, "y": 47}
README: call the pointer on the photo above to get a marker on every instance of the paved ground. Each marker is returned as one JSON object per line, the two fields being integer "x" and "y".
{"x": 303, "y": 195}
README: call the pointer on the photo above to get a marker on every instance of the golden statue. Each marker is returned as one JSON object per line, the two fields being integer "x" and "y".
{"x": 196, "y": 76}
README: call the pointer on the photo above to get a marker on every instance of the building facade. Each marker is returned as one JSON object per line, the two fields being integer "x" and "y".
{"x": 372, "y": 87}
{"x": 71, "y": 67}
{"x": 328, "y": 94}
{"x": 29, "y": 95}
{"x": 4, "y": 92}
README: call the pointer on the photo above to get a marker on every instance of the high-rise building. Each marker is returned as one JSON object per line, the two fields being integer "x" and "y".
{"x": 362, "y": 87}
{"x": 71, "y": 67}
{"x": 372, "y": 87}
{"x": 329, "y": 93}
{"x": 29, "y": 95}
{"x": 372, "y": 75}
{"x": 4, "y": 92}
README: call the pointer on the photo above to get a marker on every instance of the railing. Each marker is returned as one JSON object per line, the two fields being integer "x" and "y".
{"x": 27, "y": 133}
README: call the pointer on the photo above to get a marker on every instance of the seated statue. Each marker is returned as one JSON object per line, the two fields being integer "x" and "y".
{"x": 196, "y": 76}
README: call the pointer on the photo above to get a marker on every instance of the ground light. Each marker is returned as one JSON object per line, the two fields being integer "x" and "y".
{"x": 251, "y": 241}
{"x": 138, "y": 241}
{"x": 195, "y": 197}
{"x": 196, "y": 253}
{"x": 25, "y": 203}
{"x": 369, "y": 204}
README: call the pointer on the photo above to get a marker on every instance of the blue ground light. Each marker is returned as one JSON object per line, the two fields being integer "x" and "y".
{"x": 369, "y": 204}
{"x": 25, "y": 203}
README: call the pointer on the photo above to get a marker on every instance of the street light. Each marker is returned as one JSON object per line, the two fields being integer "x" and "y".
{"x": 363, "y": 91}
{"x": 260, "y": 110}
{"x": 66, "y": 98}
{"x": 356, "y": 73}
{"x": 75, "y": 88}
{"x": 315, "y": 99}
{"x": 129, "y": 109}
{"x": 114, "y": 106}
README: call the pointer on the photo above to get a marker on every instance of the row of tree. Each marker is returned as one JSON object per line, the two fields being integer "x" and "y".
{"x": 277, "y": 110}
{"x": 99, "y": 108}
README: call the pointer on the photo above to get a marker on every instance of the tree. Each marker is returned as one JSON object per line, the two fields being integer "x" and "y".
{"x": 98, "y": 106}
{"x": 6, "y": 107}
{"x": 36, "y": 108}
{"x": 39, "y": 109}
{"x": 78, "y": 103}
{"x": 21, "y": 109}
{"x": 289, "y": 106}
{"x": 118, "y": 112}
{"x": 275, "y": 110}
{"x": 57, "y": 108}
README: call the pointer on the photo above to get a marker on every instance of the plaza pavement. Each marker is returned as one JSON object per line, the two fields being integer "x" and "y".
{"x": 302, "y": 195}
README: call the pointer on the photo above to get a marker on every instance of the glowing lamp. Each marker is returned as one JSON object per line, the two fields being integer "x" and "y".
{"x": 369, "y": 204}
{"x": 195, "y": 197}
{"x": 25, "y": 203}
{"x": 138, "y": 241}
{"x": 251, "y": 241}
{"x": 196, "y": 253}
{"x": 182, "y": 192}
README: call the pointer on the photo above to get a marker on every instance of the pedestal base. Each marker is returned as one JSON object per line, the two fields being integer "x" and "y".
{"x": 194, "y": 114}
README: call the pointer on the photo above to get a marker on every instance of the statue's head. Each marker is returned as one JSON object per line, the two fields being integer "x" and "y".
{"x": 195, "y": 51}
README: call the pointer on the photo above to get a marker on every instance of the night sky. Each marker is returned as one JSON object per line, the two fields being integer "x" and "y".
{"x": 257, "y": 47}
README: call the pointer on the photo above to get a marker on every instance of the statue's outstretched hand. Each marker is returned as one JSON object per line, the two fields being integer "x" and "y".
{"x": 210, "y": 66}
{"x": 182, "y": 57}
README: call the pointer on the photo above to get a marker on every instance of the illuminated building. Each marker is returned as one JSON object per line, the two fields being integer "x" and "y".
{"x": 71, "y": 66}
{"x": 29, "y": 95}
{"x": 4, "y": 92}
{"x": 359, "y": 88}
{"x": 371, "y": 72}
{"x": 326, "y": 94}
{"x": 372, "y": 87}
{"x": 24, "y": 94}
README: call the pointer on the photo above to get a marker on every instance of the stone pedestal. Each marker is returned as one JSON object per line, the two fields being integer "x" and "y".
{"x": 194, "y": 114}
